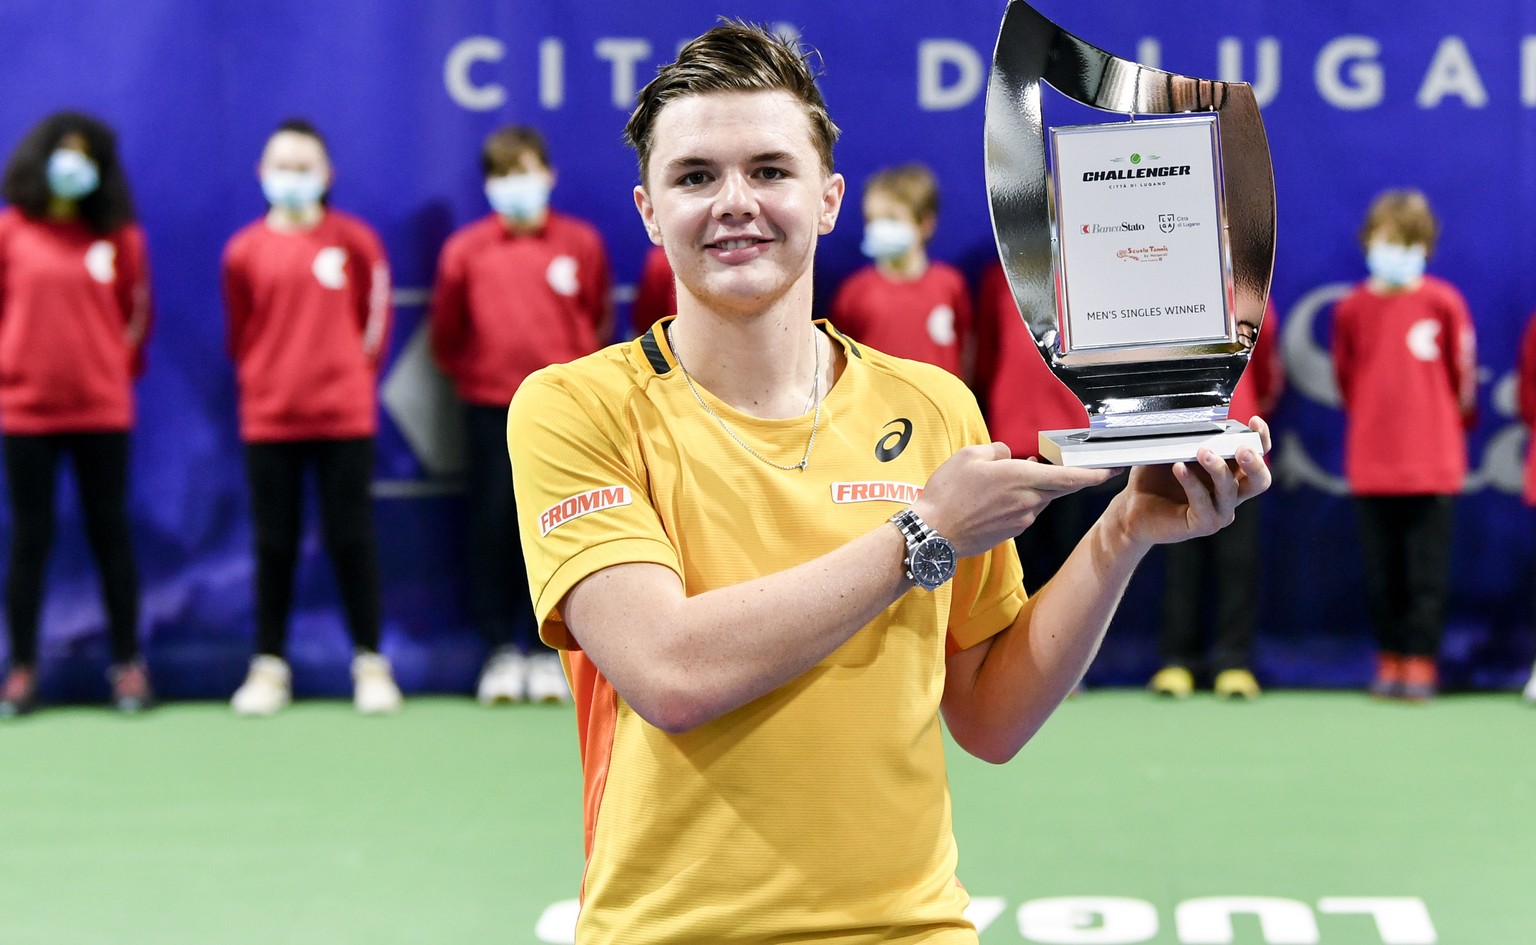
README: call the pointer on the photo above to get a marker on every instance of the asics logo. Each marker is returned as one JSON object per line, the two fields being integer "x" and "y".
{"x": 891, "y": 445}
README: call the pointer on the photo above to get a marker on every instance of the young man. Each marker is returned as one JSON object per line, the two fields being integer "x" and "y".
{"x": 523, "y": 287}
{"x": 724, "y": 521}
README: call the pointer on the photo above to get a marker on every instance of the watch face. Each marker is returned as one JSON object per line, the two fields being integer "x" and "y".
{"x": 933, "y": 562}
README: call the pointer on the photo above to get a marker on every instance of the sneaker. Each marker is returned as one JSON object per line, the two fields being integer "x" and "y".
{"x": 1174, "y": 681}
{"x": 504, "y": 678}
{"x": 1236, "y": 684}
{"x": 18, "y": 695}
{"x": 1388, "y": 683}
{"x": 130, "y": 688}
{"x": 373, "y": 685}
{"x": 546, "y": 679}
{"x": 267, "y": 690}
{"x": 1530, "y": 688}
{"x": 1421, "y": 678}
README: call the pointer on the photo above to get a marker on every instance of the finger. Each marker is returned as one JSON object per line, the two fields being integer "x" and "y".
{"x": 1258, "y": 426}
{"x": 1061, "y": 479}
{"x": 1256, "y": 475}
{"x": 1223, "y": 483}
{"x": 1001, "y": 450}
{"x": 1197, "y": 495}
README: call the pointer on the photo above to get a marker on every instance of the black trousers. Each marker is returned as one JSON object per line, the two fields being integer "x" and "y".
{"x": 100, "y": 461}
{"x": 498, "y": 575}
{"x": 343, "y": 471}
{"x": 1405, "y": 542}
{"x": 1221, "y": 570}
{"x": 1046, "y": 543}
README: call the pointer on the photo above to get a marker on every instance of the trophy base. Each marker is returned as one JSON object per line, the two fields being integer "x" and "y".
{"x": 1089, "y": 449}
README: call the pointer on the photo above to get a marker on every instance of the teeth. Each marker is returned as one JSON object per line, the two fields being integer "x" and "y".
{"x": 734, "y": 244}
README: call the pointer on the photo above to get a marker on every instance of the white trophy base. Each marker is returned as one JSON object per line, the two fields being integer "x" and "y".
{"x": 1097, "y": 450}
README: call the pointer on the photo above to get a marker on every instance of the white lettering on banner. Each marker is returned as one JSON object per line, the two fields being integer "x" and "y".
{"x": 623, "y": 53}
{"x": 461, "y": 58}
{"x": 1528, "y": 72}
{"x": 1112, "y": 920}
{"x": 1357, "y": 55}
{"x": 551, "y": 73}
{"x": 576, "y": 506}
{"x": 1451, "y": 72}
{"x": 1266, "y": 78}
{"x": 951, "y": 73}
{"x": 875, "y": 491}
{"x": 1281, "y": 921}
{"x": 1088, "y": 920}
{"x": 933, "y": 55}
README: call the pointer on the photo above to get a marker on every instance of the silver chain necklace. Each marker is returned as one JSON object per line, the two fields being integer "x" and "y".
{"x": 815, "y": 396}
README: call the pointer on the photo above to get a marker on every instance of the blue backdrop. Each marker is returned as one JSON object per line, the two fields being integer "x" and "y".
{"x": 1357, "y": 97}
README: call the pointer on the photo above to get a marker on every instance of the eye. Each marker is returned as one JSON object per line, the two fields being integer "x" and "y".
{"x": 772, "y": 173}
{"x": 692, "y": 179}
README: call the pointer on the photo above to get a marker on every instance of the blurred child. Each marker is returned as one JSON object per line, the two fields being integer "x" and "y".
{"x": 1527, "y": 391}
{"x": 307, "y": 291}
{"x": 1405, "y": 358}
{"x": 521, "y": 288}
{"x": 1023, "y": 397}
{"x": 74, "y": 312}
{"x": 906, "y": 304}
{"x": 1224, "y": 565}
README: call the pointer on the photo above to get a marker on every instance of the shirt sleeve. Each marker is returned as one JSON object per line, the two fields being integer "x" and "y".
{"x": 133, "y": 294}
{"x": 583, "y": 501}
{"x": 448, "y": 317}
{"x": 1343, "y": 351}
{"x": 375, "y": 307}
{"x": 1527, "y": 373}
{"x": 1461, "y": 353}
{"x": 988, "y": 589}
{"x": 237, "y": 299}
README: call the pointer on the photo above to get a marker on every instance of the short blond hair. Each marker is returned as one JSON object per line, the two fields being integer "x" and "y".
{"x": 1404, "y": 214}
{"x": 911, "y": 185}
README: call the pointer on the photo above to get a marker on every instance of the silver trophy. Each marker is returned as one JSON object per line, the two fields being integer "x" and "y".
{"x": 1140, "y": 254}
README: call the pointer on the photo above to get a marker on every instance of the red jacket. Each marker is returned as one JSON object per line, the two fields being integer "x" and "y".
{"x": 1023, "y": 396}
{"x": 1260, "y": 387}
{"x": 656, "y": 295}
{"x": 309, "y": 319}
{"x": 924, "y": 319}
{"x": 507, "y": 304}
{"x": 1406, "y": 364}
{"x": 74, "y": 313}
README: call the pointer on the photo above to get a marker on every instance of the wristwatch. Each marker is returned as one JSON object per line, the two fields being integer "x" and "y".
{"x": 930, "y": 557}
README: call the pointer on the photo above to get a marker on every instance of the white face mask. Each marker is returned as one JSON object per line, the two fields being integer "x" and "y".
{"x": 520, "y": 197}
{"x": 293, "y": 190}
{"x": 888, "y": 239}
{"x": 72, "y": 175}
{"x": 1395, "y": 265}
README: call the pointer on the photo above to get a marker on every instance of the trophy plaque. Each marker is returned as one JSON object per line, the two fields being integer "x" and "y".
{"x": 1139, "y": 252}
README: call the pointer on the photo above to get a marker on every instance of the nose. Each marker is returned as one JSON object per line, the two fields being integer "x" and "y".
{"x": 736, "y": 198}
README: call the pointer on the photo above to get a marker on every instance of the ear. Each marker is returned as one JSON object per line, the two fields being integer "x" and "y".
{"x": 926, "y": 228}
{"x": 831, "y": 203}
{"x": 647, "y": 212}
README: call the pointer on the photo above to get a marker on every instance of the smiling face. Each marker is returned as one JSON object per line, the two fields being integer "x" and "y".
{"x": 737, "y": 195}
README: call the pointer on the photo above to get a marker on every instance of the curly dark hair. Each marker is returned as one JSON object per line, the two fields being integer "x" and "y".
{"x": 25, "y": 186}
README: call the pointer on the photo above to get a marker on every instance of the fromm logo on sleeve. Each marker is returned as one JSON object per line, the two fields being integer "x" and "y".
{"x": 578, "y": 505}
{"x": 875, "y": 491}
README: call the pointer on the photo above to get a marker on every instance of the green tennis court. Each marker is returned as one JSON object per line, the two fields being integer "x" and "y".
{"x": 1336, "y": 819}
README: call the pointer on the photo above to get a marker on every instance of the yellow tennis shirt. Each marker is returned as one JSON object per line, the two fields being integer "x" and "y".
{"x": 820, "y": 811}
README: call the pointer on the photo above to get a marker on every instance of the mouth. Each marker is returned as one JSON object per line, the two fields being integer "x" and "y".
{"x": 735, "y": 243}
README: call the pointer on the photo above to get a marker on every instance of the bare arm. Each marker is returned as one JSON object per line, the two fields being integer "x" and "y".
{"x": 693, "y": 659}
{"x": 999, "y": 693}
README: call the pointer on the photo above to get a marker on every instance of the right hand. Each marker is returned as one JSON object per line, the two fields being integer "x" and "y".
{"x": 981, "y": 497}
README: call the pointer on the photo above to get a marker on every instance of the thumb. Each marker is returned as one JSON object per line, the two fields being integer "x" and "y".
{"x": 1001, "y": 450}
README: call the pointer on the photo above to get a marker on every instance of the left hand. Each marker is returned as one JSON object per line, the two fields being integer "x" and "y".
{"x": 1166, "y": 504}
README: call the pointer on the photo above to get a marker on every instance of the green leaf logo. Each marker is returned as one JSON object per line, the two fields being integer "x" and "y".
{"x": 1135, "y": 159}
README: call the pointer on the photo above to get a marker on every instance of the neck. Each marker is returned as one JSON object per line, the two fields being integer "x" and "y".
{"x": 62, "y": 208}
{"x": 307, "y": 218}
{"x": 523, "y": 227}
{"x": 762, "y": 366}
{"x": 909, "y": 265}
{"x": 1386, "y": 288}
